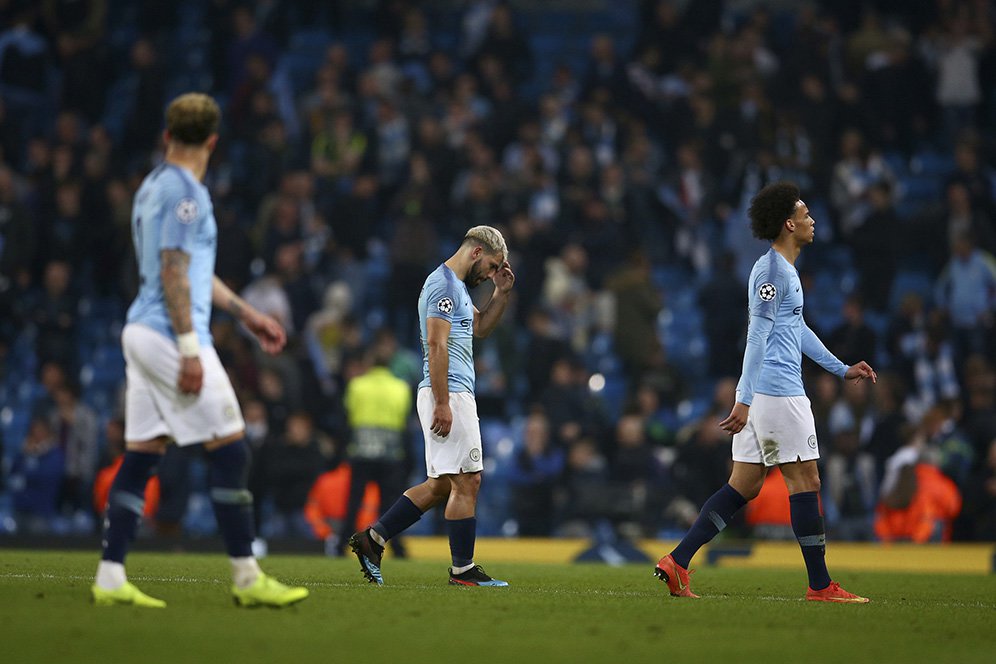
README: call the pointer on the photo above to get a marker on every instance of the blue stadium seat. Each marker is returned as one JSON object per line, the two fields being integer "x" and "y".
{"x": 922, "y": 187}
{"x": 908, "y": 281}
{"x": 932, "y": 164}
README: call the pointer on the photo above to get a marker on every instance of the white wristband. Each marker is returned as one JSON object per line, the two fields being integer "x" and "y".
{"x": 188, "y": 344}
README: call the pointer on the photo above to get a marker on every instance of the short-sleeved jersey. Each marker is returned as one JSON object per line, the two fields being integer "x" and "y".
{"x": 776, "y": 294}
{"x": 173, "y": 210}
{"x": 446, "y": 296}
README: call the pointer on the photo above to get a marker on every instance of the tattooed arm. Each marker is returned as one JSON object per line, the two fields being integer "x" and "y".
{"x": 175, "y": 279}
{"x": 266, "y": 329}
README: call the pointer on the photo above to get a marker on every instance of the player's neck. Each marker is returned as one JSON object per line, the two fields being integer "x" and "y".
{"x": 459, "y": 263}
{"x": 194, "y": 160}
{"x": 788, "y": 249}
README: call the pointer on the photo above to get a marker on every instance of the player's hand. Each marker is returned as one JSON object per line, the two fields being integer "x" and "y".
{"x": 504, "y": 279}
{"x": 737, "y": 419}
{"x": 268, "y": 331}
{"x": 860, "y": 371}
{"x": 442, "y": 420}
{"x": 191, "y": 376}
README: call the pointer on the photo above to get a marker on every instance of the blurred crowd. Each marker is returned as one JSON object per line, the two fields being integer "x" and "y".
{"x": 616, "y": 145}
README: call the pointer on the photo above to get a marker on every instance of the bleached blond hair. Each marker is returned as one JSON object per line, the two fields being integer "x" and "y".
{"x": 490, "y": 238}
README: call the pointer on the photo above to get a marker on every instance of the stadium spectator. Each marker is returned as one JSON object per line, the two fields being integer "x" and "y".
{"x": 979, "y": 422}
{"x": 859, "y": 168}
{"x": 980, "y": 498}
{"x": 291, "y": 463}
{"x": 535, "y": 475}
{"x": 966, "y": 290}
{"x": 719, "y": 298}
{"x": 875, "y": 249}
{"x": 853, "y": 338}
{"x": 849, "y": 490}
{"x": 378, "y": 405}
{"x": 28, "y": 78}
{"x": 918, "y": 503}
{"x": 53, "y": 311}
{"x": 36, "y": 478}
{"x": 325, "y": 510}
{"x": 954, "y": 54}
{"x": 933, "y": 366}
{"x": 75, "y": 426}
{"x": 637, "y": 304}
{"x": 702, "y": 459}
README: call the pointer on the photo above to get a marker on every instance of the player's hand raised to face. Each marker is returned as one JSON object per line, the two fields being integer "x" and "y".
{"x": 270, "y": 333}
{"x": 504, "y": 278}
{"x": 861, "y": 371}
{"x": 191, "y": 377}
{"x": 737, "y": 419}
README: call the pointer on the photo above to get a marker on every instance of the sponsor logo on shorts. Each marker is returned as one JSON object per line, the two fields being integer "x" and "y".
{"x": 229, "y": 412}
{"x": 812, "y": 442}
{"x": 475, "y": 455}
{"x": 767, "y": 291}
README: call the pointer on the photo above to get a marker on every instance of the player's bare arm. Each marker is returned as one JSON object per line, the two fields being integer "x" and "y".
{"x": 438, "y": 333}
{"x": 266, "y": 329}
{"x": 736, "y": 420}
{"x": 175, "y": 279}
{"x": 487, "y": 319}
{"x": 860, "y": 372}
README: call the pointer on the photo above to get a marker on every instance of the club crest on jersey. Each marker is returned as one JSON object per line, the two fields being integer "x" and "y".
{"x": 186, "y": 210}
{"x": 445, "y": 305}
{"x": 767, "y": 292}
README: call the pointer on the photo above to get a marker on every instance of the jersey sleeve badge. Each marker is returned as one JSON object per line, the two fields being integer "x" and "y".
{"x": 445, "y": 305}
{"x": 767, "y": 291}
{"x": 186, "y": 210}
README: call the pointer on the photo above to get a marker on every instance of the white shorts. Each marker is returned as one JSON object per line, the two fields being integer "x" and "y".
{"x": 460, "y": 451}
{"x": 155, "y": 407}
{"x": 779, "y": 430}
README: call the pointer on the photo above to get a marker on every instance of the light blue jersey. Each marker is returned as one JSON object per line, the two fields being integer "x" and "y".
{"x": 777, "y": 334}
{"x": 446, "y": 296}
{"x": 172, "y": 210}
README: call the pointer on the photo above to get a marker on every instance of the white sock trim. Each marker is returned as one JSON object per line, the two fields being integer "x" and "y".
{"x": 245, "y": 571}
{"x": 461, "y": 570}
{"x": 110, "y": 575}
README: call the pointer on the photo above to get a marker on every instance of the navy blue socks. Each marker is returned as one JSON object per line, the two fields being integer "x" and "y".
{"x": 807, "y": 524}
{"x": 126, "y": 502}
{"x": 402, "y": 514}
{"x": 232, "y": 501}
{"x": 463, "y": 534}
{"x": 715, "y": 514}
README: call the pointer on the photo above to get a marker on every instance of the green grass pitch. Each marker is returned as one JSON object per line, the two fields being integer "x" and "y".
{"x": 551, "y": 613}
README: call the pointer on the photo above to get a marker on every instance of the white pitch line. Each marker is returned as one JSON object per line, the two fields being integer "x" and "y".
{"x": 534, "y": 590}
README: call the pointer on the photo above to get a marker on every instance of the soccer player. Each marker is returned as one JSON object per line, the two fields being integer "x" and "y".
{"x": 446, "y": 407}
{"x": 176, "y": 388}
{"x": 772, "y": 421}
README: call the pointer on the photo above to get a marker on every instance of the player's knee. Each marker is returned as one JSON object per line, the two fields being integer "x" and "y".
{"x": 467, "y": 483}
{"x": 230, "y": 464}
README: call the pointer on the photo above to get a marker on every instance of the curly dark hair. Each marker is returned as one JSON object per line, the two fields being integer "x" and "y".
{"x": 770, "y": 208}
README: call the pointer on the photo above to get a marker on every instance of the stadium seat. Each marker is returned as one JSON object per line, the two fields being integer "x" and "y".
{"x": 932, "y": 163}
{"x": 908, "y": 281}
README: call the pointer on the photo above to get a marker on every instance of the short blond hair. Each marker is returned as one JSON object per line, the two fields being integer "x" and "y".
{"x": 490, "y": 238}
{"x": 192, "y": 118}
